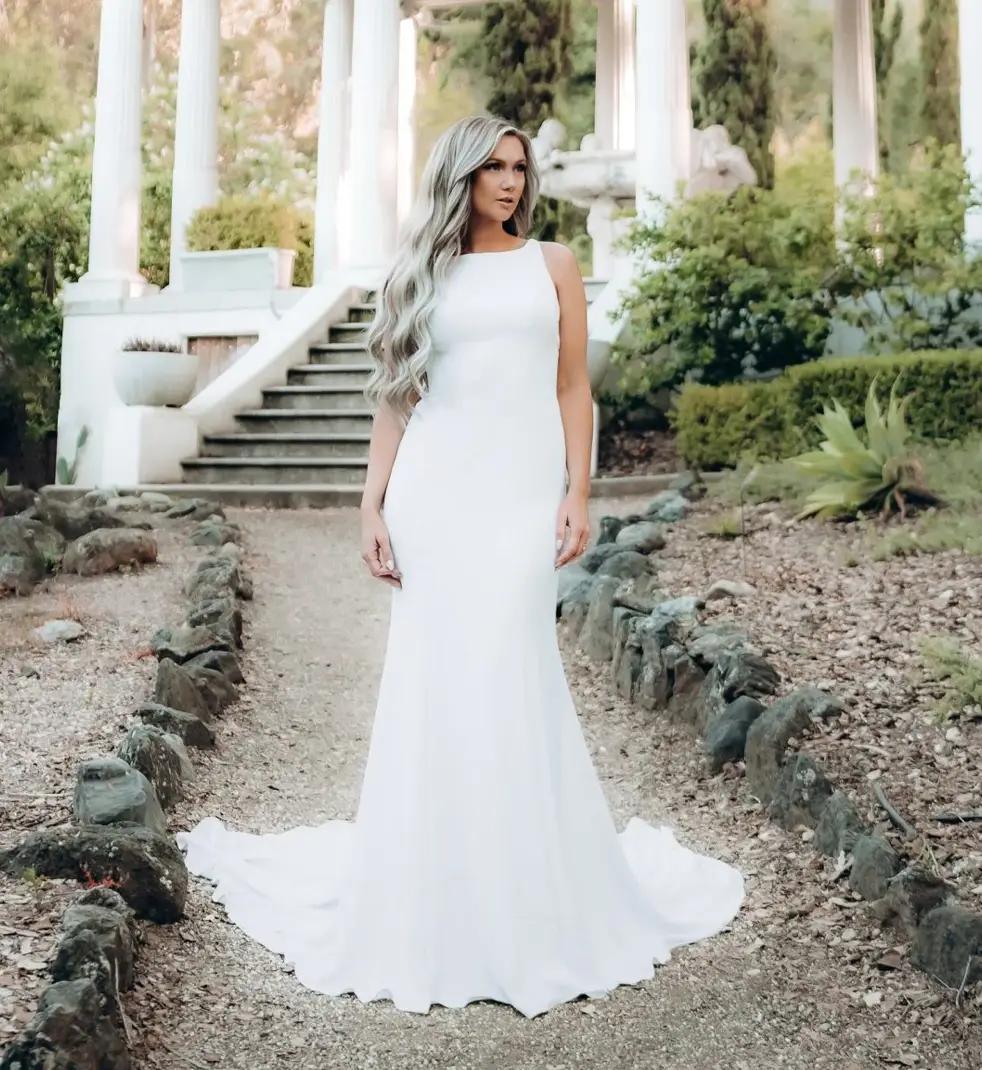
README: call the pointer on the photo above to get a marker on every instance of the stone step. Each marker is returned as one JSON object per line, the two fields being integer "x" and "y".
{"x": 321, "y": 421}
{"x": 337, "y": 352}
{"x": 328, "y": 375}
{"x": 276, "y": 470}
{"x": 287, "y": 444}
{"x": 314, "y": 397}
{"x": 363, "y": 312}
{"x": 346, "y": 332}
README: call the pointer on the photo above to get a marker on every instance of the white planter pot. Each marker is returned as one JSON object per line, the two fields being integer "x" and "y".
{"x": 148, "y": 377}
{"x": 237, "y": 269}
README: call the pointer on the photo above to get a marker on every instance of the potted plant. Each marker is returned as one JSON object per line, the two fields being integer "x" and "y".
{"x": 148, "y": 371}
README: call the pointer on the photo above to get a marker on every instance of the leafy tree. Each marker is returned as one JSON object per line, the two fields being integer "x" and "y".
{"x": 903, "y": 262}
{"x": 737, "y": 287}
{"x": 887, "y": 30}
{"x": 939, "y": 64}
{"x": 734, "y": 76}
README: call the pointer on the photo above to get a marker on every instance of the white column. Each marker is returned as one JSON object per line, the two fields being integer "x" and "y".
{"x": 854, "y": 132}
{"x": 331, "y": 210}
{"x": 664, "y": 113}
{"x": 373, "y": 131}
{"x": 970, "y": 38}
{"x": 114, "y": 237}
{"x": 614, "y": 112}
{"x": 196, "y": 129}
{"x": 407, "y": 117}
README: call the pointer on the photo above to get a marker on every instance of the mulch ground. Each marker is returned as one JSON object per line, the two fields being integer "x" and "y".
{"x": 826, "y": 613}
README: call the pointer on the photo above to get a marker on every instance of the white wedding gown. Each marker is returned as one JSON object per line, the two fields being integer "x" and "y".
{"x": 483, "y": 862}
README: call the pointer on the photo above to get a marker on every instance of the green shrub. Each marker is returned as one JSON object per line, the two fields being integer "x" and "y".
{"x": 738, "y": 287}
{"x": 255, "y": 221}
{"x": 948, "y": 662}
{"x": 716, "y": 426}
{"x": 879, "y": 472}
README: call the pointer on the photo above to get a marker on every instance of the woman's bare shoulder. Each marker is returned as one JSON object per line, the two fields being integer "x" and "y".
{"x": 561, "y": 260}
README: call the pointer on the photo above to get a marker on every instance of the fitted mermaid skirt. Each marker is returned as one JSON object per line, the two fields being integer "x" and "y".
{"x": 483, "y": 861}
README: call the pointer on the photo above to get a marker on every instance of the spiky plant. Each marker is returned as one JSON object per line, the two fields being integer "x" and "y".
{"x": 878, "y": 473}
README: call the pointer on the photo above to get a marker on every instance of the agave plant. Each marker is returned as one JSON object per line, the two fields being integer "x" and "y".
{"x": 879, "y": 473}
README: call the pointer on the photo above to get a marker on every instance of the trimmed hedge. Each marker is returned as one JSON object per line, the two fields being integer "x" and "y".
{"x": 718, "y": 425}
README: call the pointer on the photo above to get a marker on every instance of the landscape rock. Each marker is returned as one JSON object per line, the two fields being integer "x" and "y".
{"x": 596, "y": 637}
{"x": 640, "y": 593}
{"x": 105, "y": 549}
{"x": 217, "y": 577}
{"x": 769, "y": 734}
{"x": 609, "y": 526}
{"x": 726, "y": 737}
{"x": 69, "y": 1031}
{"x": 109, "y": 791}
{"x": 188, "y": 727}
{"x": 221, "y": 661}
{"x": 801, "y": 794}
{"x": 16, "y": 500}
{"x": 948, "y": 945}
{"x": 161, "y": 757}
{"x": 175, "y": 687}
{"x": 626, "y": 564}
{"x": 22, "y": 565}
{"x": 730, "y": 589}
{"x": 75, "y": 520}
{"x": 145, "y": 867}
{"x": 195, "y": 509}
{"x": 597, "y": 554}
{"x": 667, "y": 507}
{"x": 910, "y": 895}
{"x": 644, "y": 537}
{"x": 222, "y": 615}
{"x": 215, "y": 532}
{"x": 186, "y": 641}
{"x": 874, "y": 864}
{"x": 59, "y": 631}
{"x": 626, "y": 658}
{"x": 839, "y": 825}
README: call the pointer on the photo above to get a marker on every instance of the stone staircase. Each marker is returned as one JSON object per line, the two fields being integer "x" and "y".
{"x": 308, "y": 443}
{"x": 314, "y": 429}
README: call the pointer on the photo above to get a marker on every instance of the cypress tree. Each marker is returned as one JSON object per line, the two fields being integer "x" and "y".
{"x": 734, "y": 78}
{"x": 886, "y": 35}
{"x": 525, "y": 49}
{"x": 939, "y": 66}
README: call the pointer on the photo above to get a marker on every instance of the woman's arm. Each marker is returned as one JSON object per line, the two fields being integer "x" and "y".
{"x": 575, "y": 398}
{"x": 376, "y": 550}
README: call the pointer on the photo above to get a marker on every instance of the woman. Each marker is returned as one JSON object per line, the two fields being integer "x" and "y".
{"x": 483, "y": 862}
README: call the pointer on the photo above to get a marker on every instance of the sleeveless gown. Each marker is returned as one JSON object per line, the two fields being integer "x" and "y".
{"x": 483, "y": 862}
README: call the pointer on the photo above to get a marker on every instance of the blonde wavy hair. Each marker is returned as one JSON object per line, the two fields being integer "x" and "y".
{"x": 398, "y": 338}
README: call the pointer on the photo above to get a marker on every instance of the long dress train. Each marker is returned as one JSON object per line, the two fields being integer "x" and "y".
{"x": 483, "y": 862}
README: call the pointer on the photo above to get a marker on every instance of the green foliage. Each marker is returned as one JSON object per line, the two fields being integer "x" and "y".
{"x": 733, "y": 76}
{"x": 525, "y": 49}
{"x": 940, "y": 73}
{"x": 744, "y": 292}
{"x": 935, "y": 533}
{"x": 903, "y": 266}
{"x": 35, "y": 108}
{"x": 67, "y": 472}
{"x": 251, "y": 221}
{"x": 878, "y": 473}
{"x": 888, "y": 26}
{"x": 948, "y": 662}
{"x": 716, "y": 426}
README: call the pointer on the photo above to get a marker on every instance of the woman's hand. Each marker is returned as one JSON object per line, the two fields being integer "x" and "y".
{"x": 574, "y": 513}
{"x": 376, "y": 550}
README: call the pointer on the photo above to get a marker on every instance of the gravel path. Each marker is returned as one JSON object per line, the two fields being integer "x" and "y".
{"x": 787, "y": 987}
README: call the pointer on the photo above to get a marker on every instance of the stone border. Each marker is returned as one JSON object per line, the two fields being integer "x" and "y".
{"x": 711, "y": 680}
{"x": 119, "y": 842}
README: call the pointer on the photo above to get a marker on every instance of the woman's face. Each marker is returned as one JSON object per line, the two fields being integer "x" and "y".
{"x": 500, "y": 180}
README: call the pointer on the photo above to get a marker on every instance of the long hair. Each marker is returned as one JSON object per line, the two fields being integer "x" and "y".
{"x": 398, "y": 339}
